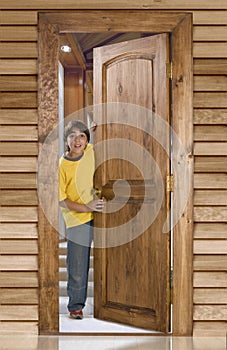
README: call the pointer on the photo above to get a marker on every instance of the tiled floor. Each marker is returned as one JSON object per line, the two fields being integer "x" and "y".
{"x": 13, "y": 342}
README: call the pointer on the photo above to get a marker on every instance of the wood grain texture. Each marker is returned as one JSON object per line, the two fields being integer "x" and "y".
{"x": 210, "y": 262}
{"x": 16, "y": 181}
{"x": 210, "y": 312}
{"x": 19, "y": 279}
{"x": 18, "y": 133}
{"x": 210, "y": 247}
{"x": 210, "y": 148}
{"x": 18, "y": 33}
{"x": 210, "y": 329}
{"x": 18, "y": 149}
{"x": 210, "y": 197}
{"x": 16, "y": 247}
{"x": 210, "y": 116}
{"x": 210, "y": 164}
{"x": 211, "y": 181}
{"x": 209, "y": 65}
{"x": 20, "y": 328}
{"x": 18, "y": 66}
{"x": 19, "y": 214}
{"x": 18, "y": 116}
{"x": 210, "y": 296}
{"x": 210, "y": 99}
{"x": 209, "y": 50}
{"x": 18, "y": 164}
{"x": 210, "y": 230}
{"x": 18, "y": 100}
{"x": 204, "y": 33}
{"x": 19, "y": 312}
{"x": 210, "y": 83}
{"x": 210, "y": 214}
{"x": 18, "y": 50}
{"x": 18, "y": 263}
{"x": 18, "y": 17}
{"x": 18, "y": 83}
{"x": 18, "y": 230}
{"x": 88, "y": 4}
{"x": 19, "y": 296}
{"x": 210, "y": 133}
{"x": 210, "y": 279}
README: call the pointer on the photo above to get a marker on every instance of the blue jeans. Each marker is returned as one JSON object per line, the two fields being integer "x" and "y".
{"x": 79, "y": 240}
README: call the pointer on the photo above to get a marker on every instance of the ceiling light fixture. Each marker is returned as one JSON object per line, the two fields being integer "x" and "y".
{"x": 66, "y": 48}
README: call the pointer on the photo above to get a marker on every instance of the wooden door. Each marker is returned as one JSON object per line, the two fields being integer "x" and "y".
{"x": 131, "y": 101}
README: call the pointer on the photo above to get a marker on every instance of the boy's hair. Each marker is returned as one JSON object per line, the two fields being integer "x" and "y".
{"x": 76, "y": 124}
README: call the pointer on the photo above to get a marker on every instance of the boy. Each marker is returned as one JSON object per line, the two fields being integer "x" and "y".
{"x": 76, "y": 171}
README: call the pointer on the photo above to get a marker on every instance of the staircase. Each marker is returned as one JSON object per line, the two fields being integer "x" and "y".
{"x": 63, "y": 298}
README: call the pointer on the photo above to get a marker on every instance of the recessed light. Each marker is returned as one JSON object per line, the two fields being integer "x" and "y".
{"x": 66, "y": 48}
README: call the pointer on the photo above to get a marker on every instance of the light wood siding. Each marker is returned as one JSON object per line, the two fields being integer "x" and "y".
{"x": 18, "y": 161}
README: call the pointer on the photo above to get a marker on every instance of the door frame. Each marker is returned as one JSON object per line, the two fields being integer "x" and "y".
{"x": 179, "y": 25}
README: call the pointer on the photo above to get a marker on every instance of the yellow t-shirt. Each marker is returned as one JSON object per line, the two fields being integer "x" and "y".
{"x": 76, "y": 184}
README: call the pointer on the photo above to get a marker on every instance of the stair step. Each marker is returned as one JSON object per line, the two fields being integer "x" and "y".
{"x": 63, "y": 274}
{"x": 62, "y": 261}
{"x": 63, "y": 289}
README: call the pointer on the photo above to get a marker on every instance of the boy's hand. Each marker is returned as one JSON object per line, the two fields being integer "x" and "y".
{"x": 96, "y": 205}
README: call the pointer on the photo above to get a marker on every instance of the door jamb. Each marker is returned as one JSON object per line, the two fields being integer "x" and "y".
{"x": 180, "y": 26}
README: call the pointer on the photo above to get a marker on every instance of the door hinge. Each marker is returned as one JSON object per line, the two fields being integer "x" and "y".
{"x": 169, "y": 183}
{"x": 169, "y": 70}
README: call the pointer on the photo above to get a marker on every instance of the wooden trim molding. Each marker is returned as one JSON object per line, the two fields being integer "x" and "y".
{"x": 180, "y": 26}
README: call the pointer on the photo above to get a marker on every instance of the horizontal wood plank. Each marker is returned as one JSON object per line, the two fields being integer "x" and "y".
{"x": 210, "y": 312}
{"x": 210, "y": 133}
{"x": 210, "y": 83}
{"x": 210, "y": 279}
{"x": 210, "y": 99}
{"x": 118, "y": 4}
{"x": 18, "y": 214}
{"x": 18, "y": 83}
{"x": 19, "y": 17}
{"x": 18, "y": 100}
{"x": 209, "y": 50}
{"x": 210, "y": 214}
{"x": 18, "y": 149}
{"x": 210, "y": 116}
{"x": 211, "y": 247}
{"x": 17, "y": 246}
{"x": 209, "y": 17}
{"x": 18, "y": 33}
{"x": 210, "y": 197}
{"x": 19, "y": 312}
{"x": 16, "y": 181}
{"x": 18, "y": 263}
{"x": 19, "y": 296}
{"x": 210, "y": 164}
{"x": 19, "y": 133}
{"x": 27, "y": 279}
{"x": 205, "y": 33}
{"x": 19, "y": 116}
{"x": 213, "y": 66}
{"x": 210, "y": 231}
{"x": 214, "y": 181}
{"x": 18, "y": 164}
{"x": 210, "y": 148}
{"x": 18, "y": 66}
{"x": 202, "y": 330}
{"x": 18, "y": 50}
{"x": 18, "y": 197}
{"x": 20, "y": 328}
{"x": 18, "y": 230}
{"x": 209, "y": 262}
{"x": 210, "y": 296}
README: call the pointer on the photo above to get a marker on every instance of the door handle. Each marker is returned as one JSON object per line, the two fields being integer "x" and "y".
{"x": 98, "y": 192}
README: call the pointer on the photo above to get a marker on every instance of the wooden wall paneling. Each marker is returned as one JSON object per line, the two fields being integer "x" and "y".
{"x": 210, "y": 230}
{"x": 204, "y": 33}
{"x": 210, "y": 99}
{"x": 210, "y": 133}
{"x": 118, "y": 4}
{"x": 18, "y": 17}
{"x": 19, "y": 328}
{"x": 18, "y": 197}
{"x": 18, "y": 83}
{"x": 210, "y": 116}
{"x": 210, "y": 279}
{"x": 18, "y": 33}
{"x": 25, "y": 279}
{"x": 210, "y": 296}
{"x": 19, "y": 312}
{"x": 17, "y": 180}
{"x": 18, "y": 133}
{"x": 213, "y": 66}
{"x": 209, "y": 17}
{"x": 18, "y": 230}
{"x": 210, "y": 197}
{"x": 210, "y": 247}
{"x": 210, "y": 149}
{"x": 210, "y": 262}
{"x": 18, "y": 149}
{"x": 22, "y": 246}
{"x": 18, "y": 214}
{"x": 210, "y": 83}
{"x": 19, "y": 296}
{"x": 18, "y": 100}
{"x": 209, "y": 49}
{"x": 210, "y": 312}
{"x": 18, "y": 67}
{"x": 212, "y": 181}
{"x": 18, "y": 50}
{"x": 18, "y": 263}
{"x": 74, "y": 90}
{"x": 210, "y": 329}
{"x": 206, "y": 214}
{"x": 210, "y": 164}
{"x": 18, "y": 116}
{"x": 18, "y": 164}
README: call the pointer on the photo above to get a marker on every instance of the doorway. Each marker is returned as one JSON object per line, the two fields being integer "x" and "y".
{"x": 179, "y": 25}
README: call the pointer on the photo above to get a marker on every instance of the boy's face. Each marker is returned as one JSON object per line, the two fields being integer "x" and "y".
{"x": 77, "y": 142}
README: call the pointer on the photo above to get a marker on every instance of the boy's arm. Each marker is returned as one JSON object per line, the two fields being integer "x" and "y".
{"x": 95, "y": 205}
